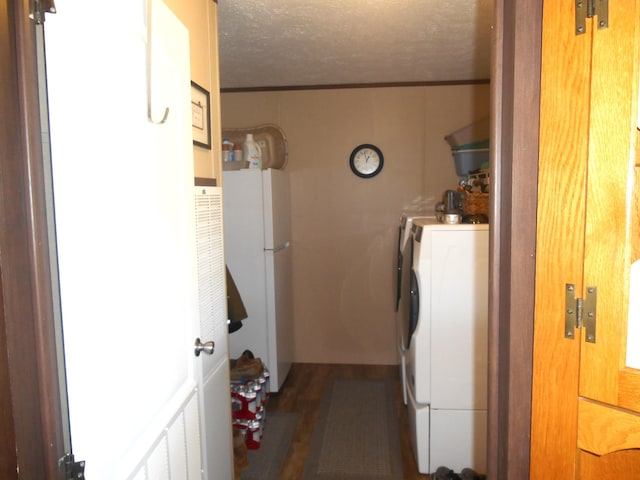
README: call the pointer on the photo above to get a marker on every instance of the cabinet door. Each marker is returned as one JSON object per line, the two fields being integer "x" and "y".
{"x": 607, "y": 378}
{"x": 587, "y": 236}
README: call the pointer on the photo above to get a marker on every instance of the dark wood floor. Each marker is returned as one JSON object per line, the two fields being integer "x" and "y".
{"x": 302, "y": 393}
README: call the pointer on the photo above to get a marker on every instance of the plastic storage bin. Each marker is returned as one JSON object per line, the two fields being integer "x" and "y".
{"x": 468, "y": 161}
{"x": 473, "y": 133}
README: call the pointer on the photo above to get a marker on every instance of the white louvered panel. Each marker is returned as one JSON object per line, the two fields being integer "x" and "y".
{"x": 211, "y": 269}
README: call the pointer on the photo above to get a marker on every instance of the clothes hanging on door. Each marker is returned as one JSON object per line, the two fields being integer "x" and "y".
{"x": 236, "y": 312}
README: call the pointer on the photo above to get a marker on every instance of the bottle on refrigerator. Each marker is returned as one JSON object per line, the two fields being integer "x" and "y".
{"x": 251, "y": 152}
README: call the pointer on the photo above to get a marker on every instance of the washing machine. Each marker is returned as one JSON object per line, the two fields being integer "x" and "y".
{"x": 403, "y": 268}
{"x": 445, "y": 324}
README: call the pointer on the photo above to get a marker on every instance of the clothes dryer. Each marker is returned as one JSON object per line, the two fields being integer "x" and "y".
{"x": 446, "y": 350}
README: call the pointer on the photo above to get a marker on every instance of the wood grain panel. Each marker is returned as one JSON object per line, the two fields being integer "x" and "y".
{"x": 613, "y": 123}
{"x": 614, "y": 466}
{"x": 635, "y": 211}
{"x": 561, "y": 196}
{"x": 628, "y": 389}
{"x": 603, "y": 429}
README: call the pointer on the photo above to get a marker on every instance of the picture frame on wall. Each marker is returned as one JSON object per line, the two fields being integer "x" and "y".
{"x": 200, "y": 116}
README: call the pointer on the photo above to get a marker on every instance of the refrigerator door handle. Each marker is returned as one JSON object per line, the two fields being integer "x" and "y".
{"x": 277, "y": 249}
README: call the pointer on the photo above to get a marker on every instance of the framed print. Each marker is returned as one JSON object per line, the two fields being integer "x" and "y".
{"x": 200, "y": 116}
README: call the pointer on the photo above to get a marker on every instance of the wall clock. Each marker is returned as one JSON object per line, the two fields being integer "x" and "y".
{"x": 366, "y": 160}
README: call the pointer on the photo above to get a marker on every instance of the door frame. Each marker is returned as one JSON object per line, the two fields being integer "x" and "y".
{"x": 515, "y": 107}
{"x": 36, "y": 441}
{"x": 32, "y": 421}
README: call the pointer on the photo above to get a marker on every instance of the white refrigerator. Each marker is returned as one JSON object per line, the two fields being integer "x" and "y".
{"x": 257, "y": 231}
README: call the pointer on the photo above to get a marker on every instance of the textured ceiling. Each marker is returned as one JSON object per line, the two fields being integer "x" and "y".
{"x": 279, "y": 43}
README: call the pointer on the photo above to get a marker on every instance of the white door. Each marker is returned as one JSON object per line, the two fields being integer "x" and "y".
{"x": 124, "y": 211}
{"x": 213, "y": 370}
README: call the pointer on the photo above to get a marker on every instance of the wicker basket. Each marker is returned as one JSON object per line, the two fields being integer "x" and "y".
{"x": 475, "y": 203}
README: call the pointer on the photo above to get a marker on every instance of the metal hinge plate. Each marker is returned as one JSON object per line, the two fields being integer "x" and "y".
{"x": 39, "y": 8}
{"x": 580, "y": 313}
{"x": 72, "y": 470}
{"x": 590, "y": 9}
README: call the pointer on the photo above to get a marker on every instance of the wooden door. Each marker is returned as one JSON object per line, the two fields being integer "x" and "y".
{"x": 585, "y": 398}
{"x": 611, "y": 237}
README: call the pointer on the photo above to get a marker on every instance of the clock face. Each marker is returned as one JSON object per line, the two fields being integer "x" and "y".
{"x": 366, "y": 161}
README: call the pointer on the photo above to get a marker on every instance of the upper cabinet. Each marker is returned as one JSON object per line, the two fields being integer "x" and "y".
{"x": 586, "y": 388}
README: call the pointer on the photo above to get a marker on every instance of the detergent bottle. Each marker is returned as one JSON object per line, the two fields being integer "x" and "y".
{"x": 251, "y": 152}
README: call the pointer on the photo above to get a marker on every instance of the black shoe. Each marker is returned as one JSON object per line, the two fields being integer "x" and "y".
{"x": 442, "y": 473}
{"x": 468, "y": 474}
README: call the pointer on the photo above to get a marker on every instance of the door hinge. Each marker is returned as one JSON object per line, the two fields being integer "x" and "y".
{"x": 72, "y": 470}
{"x": 39, "y": 8}
{"x": 590, "y": 9}
{"x": 580, "y": 312}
